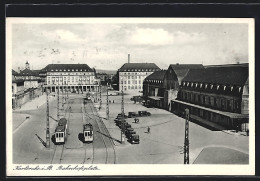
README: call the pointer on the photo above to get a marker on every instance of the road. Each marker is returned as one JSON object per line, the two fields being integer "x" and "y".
{"x": 29, "y": 138}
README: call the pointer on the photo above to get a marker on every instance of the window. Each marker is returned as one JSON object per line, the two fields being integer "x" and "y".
{"x": 136, "y": 87}
{"x": 129, "y": 77}
{"x": 129, "y": 82}
{"x": 139, "y": 81}
{"x": 129, "y": 87}
{"x": 125, "y": 81}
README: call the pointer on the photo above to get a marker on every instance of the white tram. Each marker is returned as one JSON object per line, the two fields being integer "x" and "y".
{"x": 88, "y": 132}
{"x": 61, "y": 131}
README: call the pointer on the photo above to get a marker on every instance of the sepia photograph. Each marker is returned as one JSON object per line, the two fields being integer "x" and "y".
{"x": 130, "y": 96}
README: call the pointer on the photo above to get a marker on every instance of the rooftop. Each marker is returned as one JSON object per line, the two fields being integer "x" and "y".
{"x": 158, "y": 75}
{"x": 231, "y": 75}
{"x": 27, "y": 72}
{"x": 181, "y": 70}
{"x": 139, "y": 67}
{"x": 67, "y": 67}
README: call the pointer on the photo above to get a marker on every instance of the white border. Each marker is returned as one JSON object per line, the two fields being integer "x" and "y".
{"x": 136, "y": 169}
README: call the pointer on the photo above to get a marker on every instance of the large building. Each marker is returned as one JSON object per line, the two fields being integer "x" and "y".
{"x": 132, "y": 75}
{"x": 216, "y": 96}
{"x": 154, "y": 89}
{"x": 161, "y": 87}
{"x": 71, "y": 77}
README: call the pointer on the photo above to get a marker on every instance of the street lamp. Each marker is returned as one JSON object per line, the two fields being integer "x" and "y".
{"x": 122, "y": 113}
{"x": 47, "y": 122}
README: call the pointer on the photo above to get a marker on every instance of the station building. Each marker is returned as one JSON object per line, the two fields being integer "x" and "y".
{"x": 71, "y": 77}
{"x": 161, "y": 87}
{"x": 132, "y": 75}
{"x": 216, "y": 96}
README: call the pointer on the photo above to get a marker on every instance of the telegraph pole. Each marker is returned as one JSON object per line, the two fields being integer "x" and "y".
{"x": 100, "y": 102}
{"x": 107, "y": 110}
{"x": 186, "y": 139}
{"x": 47, "y": 122}
{"x": 123, "y": 115}
{"x": 58, "y": 104}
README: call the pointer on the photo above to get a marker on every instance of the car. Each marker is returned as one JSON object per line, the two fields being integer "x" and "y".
{"x": 144, "y": 113}
{"x": 132, "y": 114}
{"x": 134, "y": 139}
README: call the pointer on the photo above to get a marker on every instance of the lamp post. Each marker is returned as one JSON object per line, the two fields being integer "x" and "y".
{"x": 122, "y": 113}
{"x": 107, "y": 110}
{"x": 47, "y": 122}
{"x": 186, "y": 139}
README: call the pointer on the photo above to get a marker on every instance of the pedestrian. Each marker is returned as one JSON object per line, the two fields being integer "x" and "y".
{"x": 113, "y": 101}
{"x": 148, "y": 129}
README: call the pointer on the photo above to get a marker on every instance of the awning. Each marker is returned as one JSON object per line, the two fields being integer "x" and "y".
{"x": 157, "y": 98}
{"x": 228, "y": 114}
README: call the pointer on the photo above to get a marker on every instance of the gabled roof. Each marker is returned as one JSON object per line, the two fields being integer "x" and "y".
{"x": 158, "y": 75}
{"x": 36, "y": 72}
{"x": 186, "y": 66}
{"x": 26, "y": 72}
{"x": 139, "y": 67}
{"x": 219, "y": 75}
{"x": 67, "y": 67}
{"x": 14, "y": 72}
{"x": 182, "y": 69}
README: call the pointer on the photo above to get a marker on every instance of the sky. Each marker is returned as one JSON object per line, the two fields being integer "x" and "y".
{"x": 107, "y": 45}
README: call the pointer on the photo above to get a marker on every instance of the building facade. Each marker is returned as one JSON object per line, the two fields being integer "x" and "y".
{"x": 132, "y": 75}
{"x": 215, "y": 96}
{"x": 154, "y": 89}
{"x": 70, "y": 77}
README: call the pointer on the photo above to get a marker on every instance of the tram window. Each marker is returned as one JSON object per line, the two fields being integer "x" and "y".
{"x": 57, "y": 135}
{"x": 86, "y": 133}
{"x": 61, "y": 135}
{"x": 90, "y": 133}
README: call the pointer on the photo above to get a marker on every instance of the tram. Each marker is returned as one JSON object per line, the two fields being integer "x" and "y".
{"x": 88, "y": 132}
{"x": 61, "y": 131}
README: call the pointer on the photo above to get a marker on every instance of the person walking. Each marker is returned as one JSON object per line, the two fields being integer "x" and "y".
{"x": 148, "y": 129}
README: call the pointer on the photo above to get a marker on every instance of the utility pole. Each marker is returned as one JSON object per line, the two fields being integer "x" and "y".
{"x": 58, "y": 104}
{"x": 47, "y": 122}
{"x": 186, "y": 139}
{"x": 100, "y": 101}
{"x": 107, "y": 110}
{"x": 123, "y": 116}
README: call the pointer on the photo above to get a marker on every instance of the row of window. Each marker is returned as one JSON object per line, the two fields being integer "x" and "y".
{"x": 133, "y": 87}
{"x": 133, "y": 82}
{"x": 140, "y": 70}
{"x": 222, "y": 103}
{"x": 69, "y": 82}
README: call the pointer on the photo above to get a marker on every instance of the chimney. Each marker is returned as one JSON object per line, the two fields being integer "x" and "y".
{"x": 128, "y": 58}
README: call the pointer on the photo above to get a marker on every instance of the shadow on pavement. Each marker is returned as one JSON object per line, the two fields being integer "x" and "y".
{"x": 109, "y": 137}
{"x": 41, "y": 140}
{"x": 81, "y": 137}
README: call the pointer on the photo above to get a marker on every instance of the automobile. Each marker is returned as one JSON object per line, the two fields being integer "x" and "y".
{"x": 129, "y": 133}
{"x": 134, "y": 139}
{"x": 144, "y": 113}
{"x": 132, "y": 114}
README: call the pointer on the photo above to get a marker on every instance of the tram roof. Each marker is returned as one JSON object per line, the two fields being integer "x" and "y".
{"x": 87, "y": 127}
{"x": 60, "y": 129}
{"x": 62, "y": 121}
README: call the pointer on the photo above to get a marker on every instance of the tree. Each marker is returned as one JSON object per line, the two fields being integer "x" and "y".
{"x": 115, "y": 81}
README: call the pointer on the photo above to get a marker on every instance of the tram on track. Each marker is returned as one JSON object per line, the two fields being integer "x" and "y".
{"x": 61, "y": 131}
{"x": 88, "y": 132}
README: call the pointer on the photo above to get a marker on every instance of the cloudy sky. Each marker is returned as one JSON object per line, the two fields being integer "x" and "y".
{"x": 107, "y": 45}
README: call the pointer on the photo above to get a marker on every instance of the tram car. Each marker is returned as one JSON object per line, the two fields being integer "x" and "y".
{"x": 61, "y": 131}
{"x": 88, "y": 133}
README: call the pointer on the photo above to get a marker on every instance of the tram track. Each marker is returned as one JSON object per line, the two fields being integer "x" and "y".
{"x": 57, "y": 155}
{"x": 102, "y": 128}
